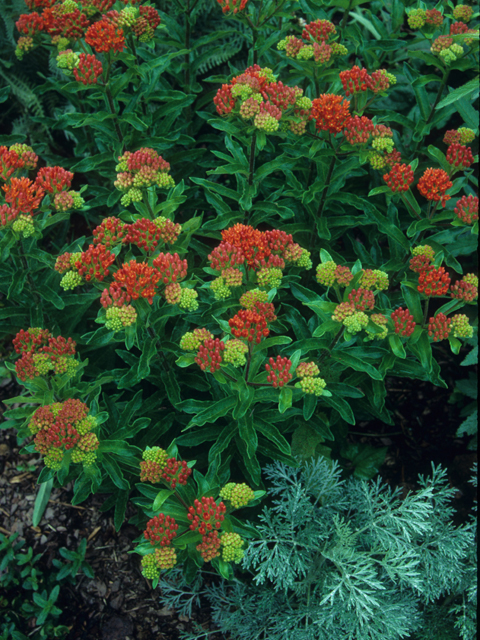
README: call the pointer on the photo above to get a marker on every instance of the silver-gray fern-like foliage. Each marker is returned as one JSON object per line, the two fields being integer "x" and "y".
{"x": 347, "y": 560}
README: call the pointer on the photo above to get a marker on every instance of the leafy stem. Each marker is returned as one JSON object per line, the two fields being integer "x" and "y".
{"x": 251, "y": 168}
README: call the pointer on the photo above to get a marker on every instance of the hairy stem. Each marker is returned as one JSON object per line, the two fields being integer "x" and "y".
{"x": 425, "y": 312}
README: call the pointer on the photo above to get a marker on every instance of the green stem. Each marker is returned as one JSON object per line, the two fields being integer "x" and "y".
{"x": 321, "y": 206}
{"x": 147, "y": 204}
{"x": 111, "y": 106}
{"x": 345, "y": 16}
{"x": 247, "y": 370}
{"x": 332, "y": 344}
{"x": 425, "y": 312}
{"x": 251, "y": 171}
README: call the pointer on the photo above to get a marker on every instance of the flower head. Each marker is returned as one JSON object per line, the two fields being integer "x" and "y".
{"x": 459, "y": 155}
{"x": 88, "y": 69}
{"x": 104, "y": 36}
{"x": 330, "y": 112}
{"x": 433, "y": 282}
{"x": 439, "y": 327}
{"x": 434, "y": 184}
{"x": 278, "y": 371}
{"x": 466, "y": 209}
{"x": 404, "y": 323}
{"x": 400, "y": 177}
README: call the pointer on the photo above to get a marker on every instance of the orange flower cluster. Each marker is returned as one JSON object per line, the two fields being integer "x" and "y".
{"x": 232, "y": 6}
{"x": 330, "y": 112}
{"x": 23, "y": 195}
{"x": 433, "y": 282}
{"x": 265, "y": 252}
{"x": 433, "y": 185}
{"x": 249, "y": 325}
{"x": 103, "y": 29}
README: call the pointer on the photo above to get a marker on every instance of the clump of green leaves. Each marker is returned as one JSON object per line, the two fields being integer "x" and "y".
{"x": 29, "y": 594}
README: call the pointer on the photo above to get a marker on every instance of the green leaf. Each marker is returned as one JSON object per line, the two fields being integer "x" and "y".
{"x": 413, "y": 301}
{"x": 465, "y": 90}
{"x": 366, "y": 459}
{"x": 120, "y": 508}
{"x": 271, "y": 342}
{"x": 309, "y": 405}
{"x": 340, "y": 355}
{"x": 423, "y": 350}
{"x": 172, "y": 387}
{"x": 115, "y": 473}
{"x": 160, "y": 498}
{"x": 248, "y": 434}
{"x": 271, "y": 432}
{"x": 420, "y": 92}
{"x": 340, "y": 405}
{"x": 285, "y": 399}
{"x": 41, "y": 501}
{"x": 396, "y": 346}
{"x": 213, "y": 412}
{"x": 304, "y": 442}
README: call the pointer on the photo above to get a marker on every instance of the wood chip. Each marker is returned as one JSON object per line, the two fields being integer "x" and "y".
{"x": 5, "y": 531}
{"x": 21, "y": 477}
{"x": 94, "y": 533}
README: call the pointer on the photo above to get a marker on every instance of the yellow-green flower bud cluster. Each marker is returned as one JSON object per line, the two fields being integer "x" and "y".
{"x": 239, "y": 495}
{"x": 451, "y": 54}
{"x": 188, "y": 300}
{"x": 383, "y": 144}
{"x": 120, "y": 317}
{"x": 466, "y": 135}
{"x": 232, "y": 547}
{"x": 424, "y": 250}
{"x": 24, "y": 225}
{"x": 416, "y": 18}
{"x": 270, "y": 277}
{"x": 305, "y": 260}
{"x": 461, "y": 327}
{"x": 356, "y": 322}
{"x": 128, "y": 17}
{"x": 326, "y": 273}
{"x": 376, "y": 160}
{"x": 70, "y": 280}
{"x": 220, "y": 289}
{"x": 132, "y": 195}
{"x": 68, "y": 59}
{"x": 163, "y": 558}
{"x": 157, "y": 455}
{"x": 374, "y": 279}
{"x": 312, "y": 386}
{"x": 250, "y": 298}
{"x": 193, "y": 339}
{"x": 234, "y": 353}
{"x": 54, "y": 459}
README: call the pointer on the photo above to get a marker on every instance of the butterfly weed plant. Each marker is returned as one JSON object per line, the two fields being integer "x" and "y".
{"x": 246, "y": 216}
